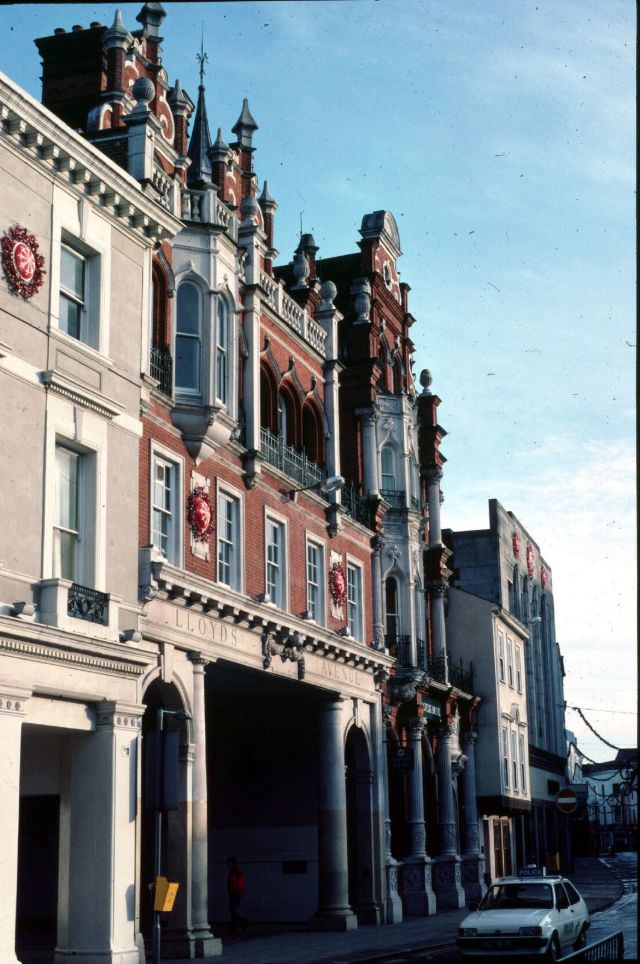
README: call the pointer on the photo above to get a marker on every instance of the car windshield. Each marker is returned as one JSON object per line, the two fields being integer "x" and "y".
{"x": 517, "y": 896}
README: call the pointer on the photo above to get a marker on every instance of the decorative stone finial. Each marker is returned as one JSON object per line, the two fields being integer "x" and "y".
{"x": 143, "y": 90}
{"x": 177, "y": 97}
{"x": 245, "y": 126}
{"x": 300, "y": 268}
{"x": 249, "y": 209}
{"x": 425, "y": 381}
{"x": 117, "y": 32}
{"x": 328, "y": 293}
{"x": 361, "y": 289}
{"x": 265, "y": 199}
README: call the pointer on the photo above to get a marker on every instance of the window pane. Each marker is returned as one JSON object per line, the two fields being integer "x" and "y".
{"x": 188, "y": 321}
{"x": 65, "y": 546}
{"x": 165, "y": 521}
{"x": 72, "y": 273}
{"x": 187, "y": 363}
{"x": 67, "y": 465}
{"x": 70, "y": 316}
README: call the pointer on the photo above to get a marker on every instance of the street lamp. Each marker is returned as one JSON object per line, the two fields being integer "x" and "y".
{"x": 161, "y": 805}
{"x": 325, "y": 487}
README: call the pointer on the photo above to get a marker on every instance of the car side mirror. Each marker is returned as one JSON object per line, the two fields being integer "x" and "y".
{"x": 473, "y": 905}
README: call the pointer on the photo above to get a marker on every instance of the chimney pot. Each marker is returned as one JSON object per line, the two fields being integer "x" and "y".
{"x": 77, "y": 26}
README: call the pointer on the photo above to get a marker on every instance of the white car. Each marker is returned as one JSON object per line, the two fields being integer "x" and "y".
{"x": 526, "y": 916}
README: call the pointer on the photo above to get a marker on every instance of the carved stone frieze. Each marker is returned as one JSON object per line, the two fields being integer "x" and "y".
{"x": 55, "y": 654}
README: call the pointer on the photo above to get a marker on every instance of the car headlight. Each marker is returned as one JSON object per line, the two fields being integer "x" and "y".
{"x": 467, "y": 932}
{"x": 530, "y": 932}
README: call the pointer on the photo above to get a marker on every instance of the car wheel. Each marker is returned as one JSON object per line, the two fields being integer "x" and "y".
{"x": 581, "y": 940}
{"x": 553, "y": 950}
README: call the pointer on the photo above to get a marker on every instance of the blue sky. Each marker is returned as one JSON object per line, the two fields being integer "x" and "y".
{"x": 501, "y": 135}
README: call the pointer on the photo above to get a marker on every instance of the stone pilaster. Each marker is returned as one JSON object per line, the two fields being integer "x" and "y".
{"x": 12, "y": 712}
{"x": 98, "y": 840}
{"x": 376, "y": 592}
{"x": 369, "y": 452}
{"x": 472, "y": 861}
{"x": 334, "y": 912}
{"x": 417, "y": 891}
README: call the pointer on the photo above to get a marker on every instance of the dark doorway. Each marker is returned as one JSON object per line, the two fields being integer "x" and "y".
{"x": 360, "y": 826}
{"x": 37, "y": 898}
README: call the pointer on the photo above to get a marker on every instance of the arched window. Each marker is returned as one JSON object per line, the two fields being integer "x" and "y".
{"x": 287, "y": 427}
{"x": 312, "y": 439}
{"x": 383, "y": 360}
{"x": 392, "y": 623}
{"x": 268, "y": 399}
{"x": 188, "y": 339}
{"x": 223, "y": 351}
{"x": 387, "y": 469}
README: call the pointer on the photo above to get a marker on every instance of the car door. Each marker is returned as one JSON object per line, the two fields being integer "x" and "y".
{"x": 576, "y": 905}
{"x": 568, "y": 921}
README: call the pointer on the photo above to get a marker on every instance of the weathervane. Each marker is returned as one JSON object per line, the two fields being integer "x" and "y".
{"x": 202, "y": 57}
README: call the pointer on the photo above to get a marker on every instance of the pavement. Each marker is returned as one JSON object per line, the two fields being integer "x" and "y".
{"x": 261, "y": 944}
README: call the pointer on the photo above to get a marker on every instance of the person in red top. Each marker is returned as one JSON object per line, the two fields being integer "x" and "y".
{"x": 236, "y": 886}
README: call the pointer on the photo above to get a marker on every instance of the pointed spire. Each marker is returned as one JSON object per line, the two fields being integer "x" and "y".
{"x": 220, "y": 148}
{"x": 200, "y": 145}
{"x": 177, "y": 97}
{"x": 245, "y": 126}
{"x": 117, "y": 31}
{"x": 265, "y": 200}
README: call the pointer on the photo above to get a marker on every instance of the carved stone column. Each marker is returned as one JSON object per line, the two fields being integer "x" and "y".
{"x": 393, "y": 902}
{"x": 376, "y": 591}
{"x": 369, "y": 451}
{"x": 433, "y": 477}
{"x": 472, "y": 861}
{"x": 334, "y": 912}
{"x": 12, "y": 712}
{"x": 418, "y": 895}
{"x": 447, "y": 875}
{"x": 201, "y": 940}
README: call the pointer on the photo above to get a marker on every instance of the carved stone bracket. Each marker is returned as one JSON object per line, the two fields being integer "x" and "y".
{"x": 285, "y": 645}
{"x": 402, "y": 687}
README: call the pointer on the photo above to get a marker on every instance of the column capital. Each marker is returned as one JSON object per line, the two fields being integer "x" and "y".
{"x": 13, "y": 700}
{"x": 432, "y": 474}
{"x": 198, "y": 659}
{"x": 111, "y": 714}
{"x": 470, "y": 737}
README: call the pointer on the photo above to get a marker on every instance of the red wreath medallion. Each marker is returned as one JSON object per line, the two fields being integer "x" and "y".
{"x": 23, "y": 266}
{"x": 200, "y": 515}
{"x": 338, "y": 584}
{"x": 530, "y": 560}
{"x": 516, "y": 544}
{"x": 543, "y": 577}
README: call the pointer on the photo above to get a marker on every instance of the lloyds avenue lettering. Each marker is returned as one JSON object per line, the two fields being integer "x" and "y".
{"x": 194, "y": 623}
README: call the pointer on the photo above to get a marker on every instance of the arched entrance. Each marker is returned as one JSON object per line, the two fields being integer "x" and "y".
{"x": 175, "y": 838}
{"x": 359, "y": 776}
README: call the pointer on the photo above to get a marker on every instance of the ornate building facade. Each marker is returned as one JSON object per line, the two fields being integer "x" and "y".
{"x": 239, "y": 541}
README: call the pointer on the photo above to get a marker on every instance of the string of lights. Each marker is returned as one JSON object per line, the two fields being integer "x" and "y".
{"x": 593, "y": 730}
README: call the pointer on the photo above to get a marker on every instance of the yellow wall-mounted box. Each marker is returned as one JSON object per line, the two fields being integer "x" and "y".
{"x": 165, "y": 894}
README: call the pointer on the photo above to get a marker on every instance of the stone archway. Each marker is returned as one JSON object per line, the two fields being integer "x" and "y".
{"x": 359, "y": 778}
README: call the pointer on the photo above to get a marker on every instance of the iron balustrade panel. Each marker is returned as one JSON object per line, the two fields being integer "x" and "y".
{"x": 399, "y": 647}
{"x": 290, "y": 460}
{"x": 89, "y": 604}
{"x": 161, "y": 368}
{"x": 395, "y": 497}
{"x": 356, "y": 505}
{"x": 461, "y": 678}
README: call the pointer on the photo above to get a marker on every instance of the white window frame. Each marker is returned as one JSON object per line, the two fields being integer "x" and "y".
{"x": 321, "y": 616}
{"x": 518, "y": 669}
{"x": 226, "y": 492}
{"x": 79, "y": 226}
{"x": 523, "y": 762}
{"x": 166, "y": 456}
{"x": 199, "y": 338}
{"x": 501, "y": 672}
{"x": 279, "y": 596}
{"x": 358, "y": 623}
{"x": 223, "y": 353}
{"x": 85, "y": 544}
{"x": 514, "y": 759}
{"x": 388, "y": 448}
{"x": 89, "y": 299}
{"x": 505, "y": 757}
{"x": 510, "y": 679}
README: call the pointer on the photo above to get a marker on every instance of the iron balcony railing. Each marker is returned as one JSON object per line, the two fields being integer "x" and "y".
{"x": 161, "y": 368}
{"x": 395, "y": 498}
{"x": 290, "y": 460}
{"x": 399, "y": 647}
{"x": 89, "y": 604}
{"x": 461, "y": 678}
{"x": 355, "y": 504}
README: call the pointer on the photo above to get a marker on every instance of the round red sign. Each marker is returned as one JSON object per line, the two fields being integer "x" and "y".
{"x": 566, "y": 801}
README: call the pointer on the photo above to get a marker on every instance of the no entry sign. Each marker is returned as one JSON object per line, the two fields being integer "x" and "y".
{"x": 566, "y": 801}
